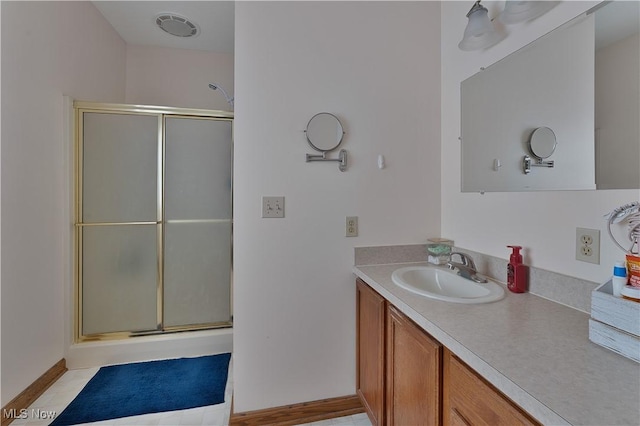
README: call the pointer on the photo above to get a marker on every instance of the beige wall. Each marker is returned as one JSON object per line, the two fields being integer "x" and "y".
{"x": 543, "y": 222}
{"x": 375, "y": 65}
{"x": 49, "y": 49}
{"x": 178, "y": 77}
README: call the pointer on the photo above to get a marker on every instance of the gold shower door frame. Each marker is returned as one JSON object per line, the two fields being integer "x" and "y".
{"x": 162, "y": 113}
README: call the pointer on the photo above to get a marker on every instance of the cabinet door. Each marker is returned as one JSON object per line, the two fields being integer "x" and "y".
{"x": 413, "y": 373}
{"x": 370, "y": 308}
{"x": 469, "y": 400}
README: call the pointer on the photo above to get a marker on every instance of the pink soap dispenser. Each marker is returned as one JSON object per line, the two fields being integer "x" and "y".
{"x": 517, "y": 273}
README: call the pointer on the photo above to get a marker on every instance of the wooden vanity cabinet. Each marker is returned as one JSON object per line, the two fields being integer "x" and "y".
{"x": 469, "y": 400}
{"x": 398, "y": 365}
{"x": 413, "y": 379}
{"x": 370, "y": 328}
{"x": 406, "y": 377}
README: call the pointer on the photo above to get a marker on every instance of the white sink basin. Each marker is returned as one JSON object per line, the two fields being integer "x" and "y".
{"x": 441, "y": 284}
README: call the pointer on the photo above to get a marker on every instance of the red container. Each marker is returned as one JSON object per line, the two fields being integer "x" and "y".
{"x": 517, "y": 273}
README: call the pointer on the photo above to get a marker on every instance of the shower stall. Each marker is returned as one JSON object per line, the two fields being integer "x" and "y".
{"x": 153, "y": 227}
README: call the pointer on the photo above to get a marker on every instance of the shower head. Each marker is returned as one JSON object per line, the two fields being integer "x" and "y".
{"x": 214, "y": 86}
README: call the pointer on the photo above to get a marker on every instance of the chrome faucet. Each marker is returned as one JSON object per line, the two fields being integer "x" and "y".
{"x": 466, "y": 267}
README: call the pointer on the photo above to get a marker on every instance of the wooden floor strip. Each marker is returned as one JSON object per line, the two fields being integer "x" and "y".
{"x": 305, "y": 412}
{"x": 12, "y": 410}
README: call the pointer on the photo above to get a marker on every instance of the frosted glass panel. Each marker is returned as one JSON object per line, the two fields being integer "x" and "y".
{"x": 197, "y": 273}
{"x": 119, "y": 277}
{"x": 198, "y": 169}
{"x": 120, "y": 263}
{"x": 120, "y": 166}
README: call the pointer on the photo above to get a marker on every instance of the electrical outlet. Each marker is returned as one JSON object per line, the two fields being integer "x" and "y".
{"x": 352, "y": 226}
{"x": 588, "y": 245}
{"x": 272, "y": 206}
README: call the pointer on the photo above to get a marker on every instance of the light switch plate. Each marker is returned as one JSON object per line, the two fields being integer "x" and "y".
{"x": 272, "y": 206}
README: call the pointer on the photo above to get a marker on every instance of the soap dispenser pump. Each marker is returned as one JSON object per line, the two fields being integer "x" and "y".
{"x": 517, "y": 273}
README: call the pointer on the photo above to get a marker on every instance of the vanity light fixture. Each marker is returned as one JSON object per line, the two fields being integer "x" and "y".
{"x": 480, "y": 32}
{"x": 516, "y": 11}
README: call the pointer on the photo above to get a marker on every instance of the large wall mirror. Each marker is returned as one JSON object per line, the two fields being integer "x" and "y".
{"x": 582, "y": 82}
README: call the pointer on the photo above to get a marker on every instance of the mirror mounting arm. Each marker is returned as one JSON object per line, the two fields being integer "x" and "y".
{"x": 527, "y": 163}
{"x": 316, "y": 157}
{"x": 342, "y": 159}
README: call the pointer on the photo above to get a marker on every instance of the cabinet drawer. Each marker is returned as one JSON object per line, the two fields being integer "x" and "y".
{"x": 469, "y": 400}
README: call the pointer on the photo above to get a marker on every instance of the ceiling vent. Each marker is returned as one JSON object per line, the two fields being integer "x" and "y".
{"x": 177, "y": 25}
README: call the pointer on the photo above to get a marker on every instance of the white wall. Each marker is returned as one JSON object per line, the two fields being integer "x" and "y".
{"x": 178, "y": 77}
{"x": 543, "y": 222}
{"x": 617, "y": 114}
{"x": 49, "y": 49}
{"x": 376, "y": 66}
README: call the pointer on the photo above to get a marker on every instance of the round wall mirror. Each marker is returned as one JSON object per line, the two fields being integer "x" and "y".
{"x": 542, "y": 143}
{"x": 324, "y": 132}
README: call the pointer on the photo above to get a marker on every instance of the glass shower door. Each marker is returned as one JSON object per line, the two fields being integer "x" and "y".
{"x": 119, "y": 223}
{"x": 154, "y": 220}
{"x": 197, "y": 212}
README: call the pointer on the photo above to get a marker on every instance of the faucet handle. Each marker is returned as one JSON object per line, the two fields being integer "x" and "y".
{"x": 465, "y": 259}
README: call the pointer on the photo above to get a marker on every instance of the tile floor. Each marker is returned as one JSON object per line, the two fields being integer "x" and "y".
{"x": 355, "y": 420}
{"x": 62, "y": 392}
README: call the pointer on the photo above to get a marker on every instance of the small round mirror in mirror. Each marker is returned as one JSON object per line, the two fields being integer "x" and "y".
{"x": 542, "y": 143}
{"x": 324, "y": 132}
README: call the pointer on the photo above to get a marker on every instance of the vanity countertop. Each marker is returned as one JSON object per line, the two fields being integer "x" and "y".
{"x": 535, "y": 351}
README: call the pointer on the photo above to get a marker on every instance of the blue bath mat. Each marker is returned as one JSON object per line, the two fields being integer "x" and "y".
{"x": 149, "y": 387}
